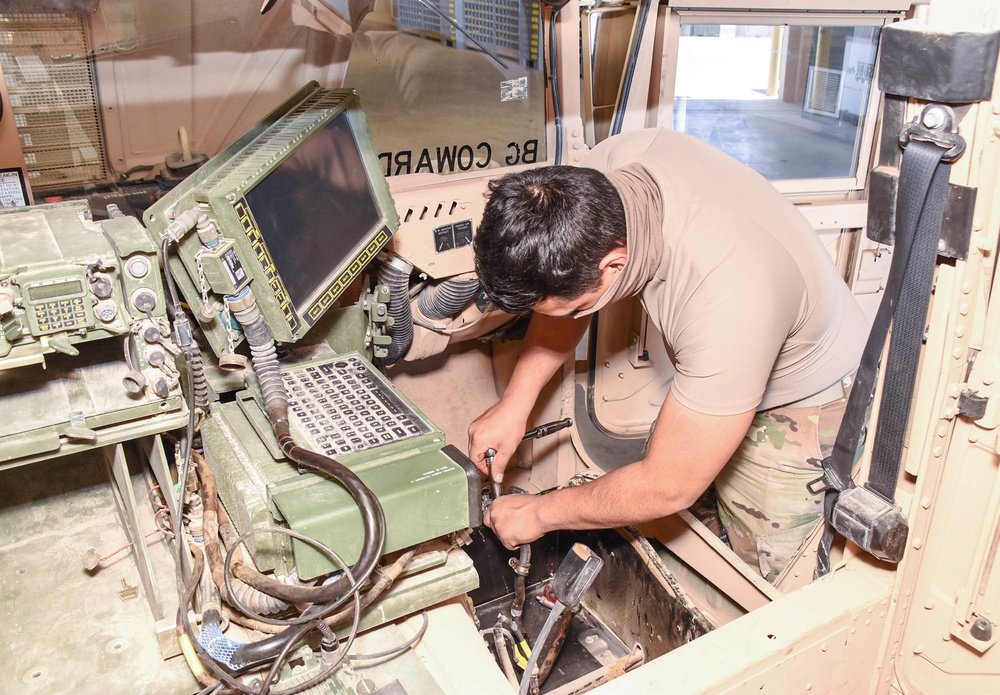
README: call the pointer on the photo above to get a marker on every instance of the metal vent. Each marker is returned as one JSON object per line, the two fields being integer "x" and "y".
{"x": 46, "y": 66}
{"x": 823, "y": 91}
{"x": 508, "y": 27}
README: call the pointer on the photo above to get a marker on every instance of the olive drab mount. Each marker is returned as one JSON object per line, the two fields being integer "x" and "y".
{"x": 926, "y": 218}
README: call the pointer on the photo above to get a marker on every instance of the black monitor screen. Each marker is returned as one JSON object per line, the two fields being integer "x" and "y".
{"x": 315, "y": 209}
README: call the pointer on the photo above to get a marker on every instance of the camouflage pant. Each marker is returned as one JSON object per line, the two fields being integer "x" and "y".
{"x": 763, "y": 501}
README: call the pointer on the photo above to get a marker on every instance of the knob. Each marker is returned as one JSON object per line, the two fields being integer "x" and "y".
{"x": 6, "y": 301}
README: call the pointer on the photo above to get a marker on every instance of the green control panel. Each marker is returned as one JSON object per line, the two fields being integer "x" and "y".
{"x": 57, "y": 303}
{"x": 83, "y": 298}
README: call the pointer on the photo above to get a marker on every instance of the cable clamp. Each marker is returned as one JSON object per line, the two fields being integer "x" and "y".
{"x": 518, "y": 567}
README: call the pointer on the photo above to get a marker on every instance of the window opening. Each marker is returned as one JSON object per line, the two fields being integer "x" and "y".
{"x": 790, "y": 101}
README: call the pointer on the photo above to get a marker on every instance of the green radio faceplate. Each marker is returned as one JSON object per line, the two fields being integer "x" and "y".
{"x": 66, "y": 279}
{"x": 424, "y": 496}
{"x": 426, "y": 489}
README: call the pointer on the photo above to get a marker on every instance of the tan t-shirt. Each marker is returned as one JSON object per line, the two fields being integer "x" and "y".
{"x": 752, "y": 309}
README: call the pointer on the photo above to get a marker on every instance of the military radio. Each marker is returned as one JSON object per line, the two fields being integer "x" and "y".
{"x": 66, "y": 280}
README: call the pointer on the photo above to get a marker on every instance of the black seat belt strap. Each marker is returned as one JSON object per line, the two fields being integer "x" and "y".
{"x": 868, "y": 515}
{"x": 908, "y": 324}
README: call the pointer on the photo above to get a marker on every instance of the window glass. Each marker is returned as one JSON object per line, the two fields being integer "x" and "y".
{"x": 789, "y": 101}
{"x": 452, "y": 91}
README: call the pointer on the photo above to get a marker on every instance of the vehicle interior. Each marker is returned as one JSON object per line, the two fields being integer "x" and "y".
{"x": 242, "y": 340}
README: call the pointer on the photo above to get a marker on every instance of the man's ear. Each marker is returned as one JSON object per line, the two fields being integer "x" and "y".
{"x": 614, "y": 259}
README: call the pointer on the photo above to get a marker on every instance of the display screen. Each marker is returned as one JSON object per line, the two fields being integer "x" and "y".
{"x": 315, "y": 209}
{"x": 67, "y": 288}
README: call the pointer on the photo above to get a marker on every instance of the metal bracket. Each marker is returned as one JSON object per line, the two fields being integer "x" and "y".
{"x": 375, "y": 305}
{"x": 972, "y": 405}
{"x": 936, "y": 125}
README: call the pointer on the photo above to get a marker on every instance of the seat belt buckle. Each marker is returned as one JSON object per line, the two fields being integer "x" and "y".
{"x": 830, "y": 480}
{"x": 819, "y": 486}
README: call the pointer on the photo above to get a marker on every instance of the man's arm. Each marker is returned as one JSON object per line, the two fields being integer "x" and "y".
{"x": 687, "y": 451}
{"x": 548, "y": 344}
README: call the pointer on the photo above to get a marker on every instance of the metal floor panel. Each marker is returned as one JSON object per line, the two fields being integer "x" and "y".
{"x": 64, "y": 630}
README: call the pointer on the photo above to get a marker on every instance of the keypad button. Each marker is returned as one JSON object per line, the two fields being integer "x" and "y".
{"x": 344, "y": 408}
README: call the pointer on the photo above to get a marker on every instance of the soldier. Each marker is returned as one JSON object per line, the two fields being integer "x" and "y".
{"x": 763, "y": 333}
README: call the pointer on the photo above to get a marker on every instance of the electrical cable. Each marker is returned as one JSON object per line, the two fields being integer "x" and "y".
{"x": 183, "y": 625}
{"x": 552, "y": 619}
{"x": 398, "y": 649}
{"x": 171, "y": 287}
{"x": 298, "y": 633}
{"x": 303, "y": 618}
{"x": 118, "y": 257}
{"x": 262, "y": 602}
{"x": 262, "y": 346}
{"x": 302, "y": 631}
{"x": 387, "y": 577}
{"x": 385, "y": 580}
{"x": 128, "y": 545}
{"x": 272, "y": 387}
{"x": 554, "y": 81}
{"x": 500, "y": 645}
{"x": 179, "y": 318}
{"x": 185, "y": 448}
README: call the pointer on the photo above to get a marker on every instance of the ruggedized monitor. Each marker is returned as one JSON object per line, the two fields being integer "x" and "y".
{"x": 300, "y": 206}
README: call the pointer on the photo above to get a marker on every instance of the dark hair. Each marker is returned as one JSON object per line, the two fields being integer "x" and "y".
{"x": 544, "y": 234}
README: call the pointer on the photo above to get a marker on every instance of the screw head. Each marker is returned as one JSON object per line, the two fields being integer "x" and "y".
{"x": 933, "y": 118}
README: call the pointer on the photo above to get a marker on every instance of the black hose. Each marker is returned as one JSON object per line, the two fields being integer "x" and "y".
{"x": 371, "y": 550}
{"x": 265, "y": 365}
{"x": 446, "y": 298}
{"x": 521, "y": 568}
{"x": 197, "y": 367}
{"x": 395, "y": 274}
{"x": 185, "y": 447}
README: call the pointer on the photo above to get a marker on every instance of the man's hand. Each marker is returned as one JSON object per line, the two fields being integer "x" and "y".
{"x": 500, "y": 429}
{"x": 515, "y": 519}
{"x": 549, "y": 343}
{"x": 686, "y": 453}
